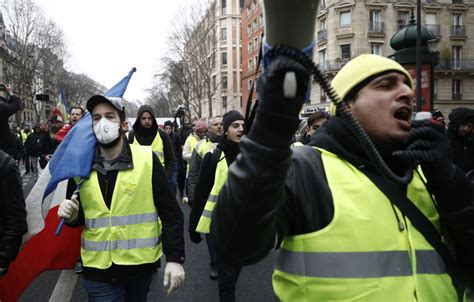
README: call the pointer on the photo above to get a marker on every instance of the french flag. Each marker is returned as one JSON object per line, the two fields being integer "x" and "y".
{"x": 42, "y": 250}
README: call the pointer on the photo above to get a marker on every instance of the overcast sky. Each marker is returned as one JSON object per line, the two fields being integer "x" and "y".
{"x": 106, "y": 38}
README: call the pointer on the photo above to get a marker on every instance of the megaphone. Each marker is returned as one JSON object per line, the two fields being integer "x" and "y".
{"x": 290, "y": 22}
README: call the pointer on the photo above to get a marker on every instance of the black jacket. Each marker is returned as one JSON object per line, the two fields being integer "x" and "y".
{"x": 461, "y": 146}
{"x": 272, "y": 193}
{"x": 12, "y": 210}
{"x": 8, "y": 107}
{"x": 33, "y": 144}
{"x": 205, "y": 179}
{"x": 168, "y": 210}
{"x": 48, "y": 146}
{"x": 146, "y": 136}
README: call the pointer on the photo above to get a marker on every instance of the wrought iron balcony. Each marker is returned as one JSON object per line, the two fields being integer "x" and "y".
{"x": 457, "y": 64}
{"x": 322, "y": 35}
{"x": 376, "y": 27}
{"x": 457, "y": 96}
{"x": 458, "y": 30}
{"x": 434, "y": 28}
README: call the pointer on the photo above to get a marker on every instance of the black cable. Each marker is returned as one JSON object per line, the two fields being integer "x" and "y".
{"x": 346, "y": 114}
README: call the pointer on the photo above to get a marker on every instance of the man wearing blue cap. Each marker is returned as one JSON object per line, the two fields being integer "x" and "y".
{"x": 128, "y": 211}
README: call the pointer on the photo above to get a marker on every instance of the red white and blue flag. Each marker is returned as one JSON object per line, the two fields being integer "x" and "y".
{"x": 42, "y": 250}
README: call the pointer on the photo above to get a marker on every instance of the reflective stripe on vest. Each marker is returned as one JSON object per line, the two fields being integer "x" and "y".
{"x": 99, "y": 246}
{"x": 120, "y": 220}
{"x": 156, "y": 146}
{"x": 129, "y": 233}
{"x": 358, "y": 264}
{"x": 204, "y": 225}
{"x": 361, "y": 255}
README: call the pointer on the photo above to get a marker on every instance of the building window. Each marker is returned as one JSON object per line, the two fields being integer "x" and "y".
{"x": 254, "y": 25}
{"x": 456, "y": 57}
{"x": 431, "y": 24}
{"x": 255, "y": 43}
{"x": 322, "y": 4}
{"x": 224, "y": 34}
{"x": 250, "y": 64}
{"x": 376, "y": 48}
{"x": 260, "y": 20}
{"x": 224, "y": 101}
{"x": 346, "y": 52}
{"x": 322, "y": 59}
{"x": 345, "y": 19}
{"x": 375, "y": 21}
{"x": 224, "y": 82}
{"x": 457, "y": 92}
{"x": 457, "y": 19}
{"x": 403, "y": 18}
{"x": 255, "y": 62}
{"x": 224, "y": 6}
{"x": 250, "y": 84}
{"x": 224, "y": 58}
{"x": 249, "y": 11}
{"x": 249, "y": 30}
{"x": 254, "y": 5}
{"x": 249, "y": 48}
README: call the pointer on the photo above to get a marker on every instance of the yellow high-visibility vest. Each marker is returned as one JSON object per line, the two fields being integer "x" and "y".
{"x": 220, "y": 178}
{"x": 362, "y": 255}
{"x": 129, "y": 233}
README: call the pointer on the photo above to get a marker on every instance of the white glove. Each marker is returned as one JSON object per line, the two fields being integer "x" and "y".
{"x": 69, "y": 208}
{"x": 174, "y": 275}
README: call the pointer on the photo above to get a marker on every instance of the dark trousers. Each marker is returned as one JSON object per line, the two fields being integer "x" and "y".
{"x": 182, "y": 177}
{"x": 212, "y": 250}
{"x": 227, "y": 276}
{"x": 26, "y": 160}
{"x": 135, "y": 290}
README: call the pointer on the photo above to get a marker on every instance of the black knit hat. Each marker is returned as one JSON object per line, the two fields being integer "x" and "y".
{"x": 231, "y": 117}
{"x": 169, "y": 123}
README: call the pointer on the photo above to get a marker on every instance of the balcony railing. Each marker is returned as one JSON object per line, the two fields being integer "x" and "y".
{"x": 458, "y": 30}
{"x": 457, "y": 64}
{"x": 457, "y": 96}
{"x": 334, "y": 65}
{"x": 376, "y": 27}
{"x": 322, "y": 35}
{"x": 434, "y": 28}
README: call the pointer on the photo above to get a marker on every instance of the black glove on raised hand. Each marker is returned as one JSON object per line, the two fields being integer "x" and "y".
{"x": 429, "y": 146}
{"x": 195, "y": 237}
{"x": 277, "y": 117}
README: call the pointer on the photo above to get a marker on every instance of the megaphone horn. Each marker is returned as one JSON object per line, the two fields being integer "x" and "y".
{"x": 290, "y": 22}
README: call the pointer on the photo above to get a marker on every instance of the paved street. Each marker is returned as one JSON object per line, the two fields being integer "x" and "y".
{"x": 254, "y": 283}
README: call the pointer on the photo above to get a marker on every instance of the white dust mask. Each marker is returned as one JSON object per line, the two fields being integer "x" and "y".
{"x": 106, "y": 131}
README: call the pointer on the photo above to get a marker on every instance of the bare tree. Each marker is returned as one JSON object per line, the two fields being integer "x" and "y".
{"x": 190, "y": 64}
{"x": 39, "y": 49}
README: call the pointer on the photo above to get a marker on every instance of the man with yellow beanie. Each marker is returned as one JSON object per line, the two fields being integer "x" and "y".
{"x": 343, "y": 231}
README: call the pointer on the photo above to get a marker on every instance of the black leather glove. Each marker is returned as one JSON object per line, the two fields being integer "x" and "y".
{"x": 277, "y": 117}
{"x": 195, "y": 237}
{"x": 429, "y": 146}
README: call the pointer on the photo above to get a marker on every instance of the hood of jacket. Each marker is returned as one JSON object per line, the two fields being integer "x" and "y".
{"x": 457, "y": 117}
{"x": 137, "y": 126}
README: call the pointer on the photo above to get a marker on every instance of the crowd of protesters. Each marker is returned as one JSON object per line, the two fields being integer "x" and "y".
{"x": 192, "y": 161}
